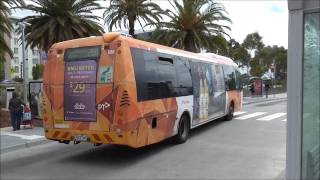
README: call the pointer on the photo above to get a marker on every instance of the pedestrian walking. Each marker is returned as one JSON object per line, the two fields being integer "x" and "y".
{"x": 252, "y": 88}
{"x": 34, "y": 105}
{"x": 266, "y": 89}
{"x": 15, "y": 107}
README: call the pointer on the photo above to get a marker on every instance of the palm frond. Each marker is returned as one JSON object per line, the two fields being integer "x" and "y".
{"x": 60, "y": 20}
{"x": 197, "y": 21}
{"x": 125, "y": 13}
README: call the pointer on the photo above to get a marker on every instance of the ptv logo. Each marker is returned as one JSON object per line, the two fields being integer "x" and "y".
{"x": 103, "y": 106}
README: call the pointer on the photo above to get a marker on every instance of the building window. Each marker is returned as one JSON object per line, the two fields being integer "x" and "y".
{"x": 16, "y": 60}
{"x": 35, "y": 52}
{"x": 35, "y": 60}
{"x": 311, "y": 97}
{"x": 16, "y": 69}
{"x": 15, "y": 50}
{"x": 15, "y": 41}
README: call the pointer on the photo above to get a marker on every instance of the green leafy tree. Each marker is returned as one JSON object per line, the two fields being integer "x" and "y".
{"x": 5, "y": 24}
{"x": 270, "y": 57}
{"x": 192, "y": 25}
{"x": 2, "y": 70}
{"x": 125, "y": 13}
{"x": 241, "y": 54}
{"x": 60, "y": 20}
{"x": 281, "y": 63}
{"x": 257, "y": 69}
{"x": 253, "y": 43}
{"x": 220, "y": 45}
{"x": 37, "y": 71}
{"x": 273, "y": 56}
{"x": 238, "y": 53}
{"x": 35, "y": 74}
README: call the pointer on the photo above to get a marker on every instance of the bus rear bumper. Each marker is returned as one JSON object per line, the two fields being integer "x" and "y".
{"x": 94, "y": 137}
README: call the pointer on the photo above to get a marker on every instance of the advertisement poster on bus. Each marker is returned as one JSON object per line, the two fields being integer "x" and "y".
{"x": 208, "y": 92}
{"x": 80, "y": 90}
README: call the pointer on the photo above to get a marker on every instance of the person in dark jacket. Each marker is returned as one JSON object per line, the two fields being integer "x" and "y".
{"x": 15, "y": 107}
{"x": 252, "y": 88}
{"x": 266, "y": 89}
{"x": 34, "y": 105}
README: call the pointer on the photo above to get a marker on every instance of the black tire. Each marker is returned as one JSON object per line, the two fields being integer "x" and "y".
{"x": 183, "y": 130}
{"x": 229, "y": 116}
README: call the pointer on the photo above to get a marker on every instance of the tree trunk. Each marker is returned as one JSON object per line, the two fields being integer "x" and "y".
{"x": 131, "y": 26}
{"x": 189, "y": 43}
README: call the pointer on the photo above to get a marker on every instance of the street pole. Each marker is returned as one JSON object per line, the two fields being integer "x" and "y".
{"x": 25, "y": 66}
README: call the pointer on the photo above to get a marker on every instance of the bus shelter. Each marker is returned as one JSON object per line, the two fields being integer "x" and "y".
{"x": 35, "y": 98}
{"x": 256, "y": 86}
{"x": 303, "y": 124}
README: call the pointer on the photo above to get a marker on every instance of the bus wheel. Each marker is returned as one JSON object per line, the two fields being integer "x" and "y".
{"x": 229, "y": 116}
{"x": 183, "y": 130}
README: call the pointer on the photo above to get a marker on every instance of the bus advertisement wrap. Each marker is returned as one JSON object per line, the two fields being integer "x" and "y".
{"x": 118, "y": 90}
{"x": 79, "y": 90}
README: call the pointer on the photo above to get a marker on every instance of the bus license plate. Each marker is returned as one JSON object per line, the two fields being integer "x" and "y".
{"x": 81, "y": 138}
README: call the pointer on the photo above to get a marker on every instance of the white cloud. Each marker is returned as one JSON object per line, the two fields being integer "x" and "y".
{"x": 259, "y": 16}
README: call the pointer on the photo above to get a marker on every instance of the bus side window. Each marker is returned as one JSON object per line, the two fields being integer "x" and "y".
{"x": 167, "y": 77}
{"x": 183, "y": 73}
{"x": 238, "y": 79}
{"x": 229, "y": 76}
{"x": 219, "y": 83}
{"x": 146, "y": 74}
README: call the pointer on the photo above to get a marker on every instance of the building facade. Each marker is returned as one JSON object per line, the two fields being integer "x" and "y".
{"x": 303, "y": 125}
{"x": 14, "y": 66}
{"x": 7, "y": 64}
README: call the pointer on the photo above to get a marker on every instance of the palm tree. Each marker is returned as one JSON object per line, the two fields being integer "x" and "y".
{"x": 192, "y": 25}
{"x": 5, "y": 24}
{"x": 60, "y": 20}
{"x": 120, "y": 13}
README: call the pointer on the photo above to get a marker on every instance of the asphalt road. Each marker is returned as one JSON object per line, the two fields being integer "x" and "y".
{"x": 244, "y": 148}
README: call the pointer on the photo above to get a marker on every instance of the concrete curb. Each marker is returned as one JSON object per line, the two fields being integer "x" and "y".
{"x": 24, "y": 145}
{"x": 265, "y": 100}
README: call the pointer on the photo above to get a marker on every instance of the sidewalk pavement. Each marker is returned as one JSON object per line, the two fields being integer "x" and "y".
{"x": 13, "y": 140}
{"x": 258, "y": 99}
{"x": 26, "y": 137}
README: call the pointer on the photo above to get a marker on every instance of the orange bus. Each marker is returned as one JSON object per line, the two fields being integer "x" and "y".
{"x": 114, "y": 89}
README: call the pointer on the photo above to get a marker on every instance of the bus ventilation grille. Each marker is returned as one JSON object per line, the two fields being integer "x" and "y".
{"x": 125, "y": 101}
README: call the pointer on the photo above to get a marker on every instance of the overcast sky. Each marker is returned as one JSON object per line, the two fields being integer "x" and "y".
{"x": 268, "y": 18}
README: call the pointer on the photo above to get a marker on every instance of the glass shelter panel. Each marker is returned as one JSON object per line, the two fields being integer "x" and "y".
{"x": 311, "y": 98}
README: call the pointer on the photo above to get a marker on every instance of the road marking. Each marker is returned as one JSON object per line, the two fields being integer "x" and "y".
{"x": 271, "y": 117}
{"x": 284, "y": 120}
{"x": 27, "y": 137}
{"x": 250, "y": 115}
{"x": 238, "y": 113}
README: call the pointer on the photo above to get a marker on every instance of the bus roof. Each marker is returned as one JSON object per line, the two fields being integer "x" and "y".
{"x": 209, "y": 57}
{"x": 109, "y": 37}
